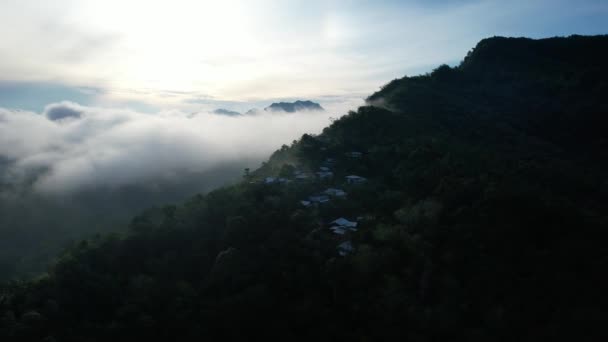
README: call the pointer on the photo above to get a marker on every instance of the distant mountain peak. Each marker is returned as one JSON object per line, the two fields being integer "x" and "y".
{"x": 291, "y": 107}
{"x": 222, "y": 111}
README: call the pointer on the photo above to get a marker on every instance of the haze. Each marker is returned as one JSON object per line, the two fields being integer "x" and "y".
{"x": 70, "y": 147}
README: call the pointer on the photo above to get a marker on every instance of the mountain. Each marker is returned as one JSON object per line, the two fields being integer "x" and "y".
{"x": 481, "y": 216}
{"x": 253, "y": 111}
{"x": 227, "y": 112}
{"x": 288, "y": 107}
{"x": 292, "y": 107}
{"x": 539, "y": 86}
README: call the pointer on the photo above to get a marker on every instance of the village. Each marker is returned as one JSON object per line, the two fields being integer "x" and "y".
{"x": 341, "y": 228}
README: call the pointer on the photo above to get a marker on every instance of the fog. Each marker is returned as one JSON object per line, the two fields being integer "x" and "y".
{"x": 71, "y": 147}
{"x": 72, "y": 171}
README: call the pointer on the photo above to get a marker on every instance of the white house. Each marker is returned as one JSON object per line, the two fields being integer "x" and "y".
{"x": 354, "y": 154}
{"x": 300, "y": 175}
{"x": 342, "y": 222}
{"x": 338, "y": 230}
{"x": 352, "y": 179}
{"x": 345, "y": 248}
{"x": 335, "y": 192}
{"x": 325, "y": 174}
{"x": 273, "y": 180}
{"x": 318, "y": 199}
{"x": 306, "y": 203}
{"x": 324, "y": 168}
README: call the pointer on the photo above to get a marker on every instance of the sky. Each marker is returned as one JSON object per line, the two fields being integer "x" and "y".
{"x": 194, "y": 55}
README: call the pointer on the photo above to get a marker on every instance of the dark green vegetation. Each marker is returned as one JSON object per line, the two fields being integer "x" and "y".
{"x": 34, "y": 228}
{"x": 483, "y": 218}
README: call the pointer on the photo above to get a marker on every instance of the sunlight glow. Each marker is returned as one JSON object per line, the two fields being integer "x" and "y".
{"x": 177, "y": 45}
{"x": 167, "y": 53}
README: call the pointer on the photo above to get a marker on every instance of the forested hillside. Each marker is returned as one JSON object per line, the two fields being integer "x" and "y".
{"x": 465, "y": 204}
{"x": 35, "y": 227}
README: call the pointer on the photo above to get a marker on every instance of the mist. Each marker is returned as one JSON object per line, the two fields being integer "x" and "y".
{"x": 71, "y": 171}
{"x": 70, "y": 147}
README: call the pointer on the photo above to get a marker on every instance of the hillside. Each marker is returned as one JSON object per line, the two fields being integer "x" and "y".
{"x": 479, "y": 214}
{"x": 34, "y": 228}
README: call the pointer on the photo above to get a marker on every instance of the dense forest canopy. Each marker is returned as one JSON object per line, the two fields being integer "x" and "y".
{"x": 35, "y": 227}
{"x": 472, "y": 207}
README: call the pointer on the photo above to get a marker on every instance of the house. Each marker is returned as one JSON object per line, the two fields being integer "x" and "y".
{"x": 335, "y": 192}
{"x": 318, "y": 199}
{"x": 329, "y": 161}
{"x": 325, "y": 174}
{"x": 306, "y": 203}
{"x": 341, "y": 226}
{"x": 354, "y": 154}
{"x": 352, "y": 179}
{"x": 338, "y": 230}
{"x": 225, "y": 253}
{"x": 324, "y": 169}
{"x": 345, "y": 248}
{"x": 342, "y": 222}
{"x": 273, "y": 180}
{"x": 300, "y": 175}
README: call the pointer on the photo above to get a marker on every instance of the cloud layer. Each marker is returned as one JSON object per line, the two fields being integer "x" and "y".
{"x": 71, "y": 147}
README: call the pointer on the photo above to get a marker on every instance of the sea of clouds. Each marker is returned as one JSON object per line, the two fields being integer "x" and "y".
{"x": 70, "y": 147}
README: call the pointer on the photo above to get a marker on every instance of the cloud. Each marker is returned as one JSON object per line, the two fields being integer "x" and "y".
{"x": 100, "y": 147}
{"x": 63, "y": 110}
